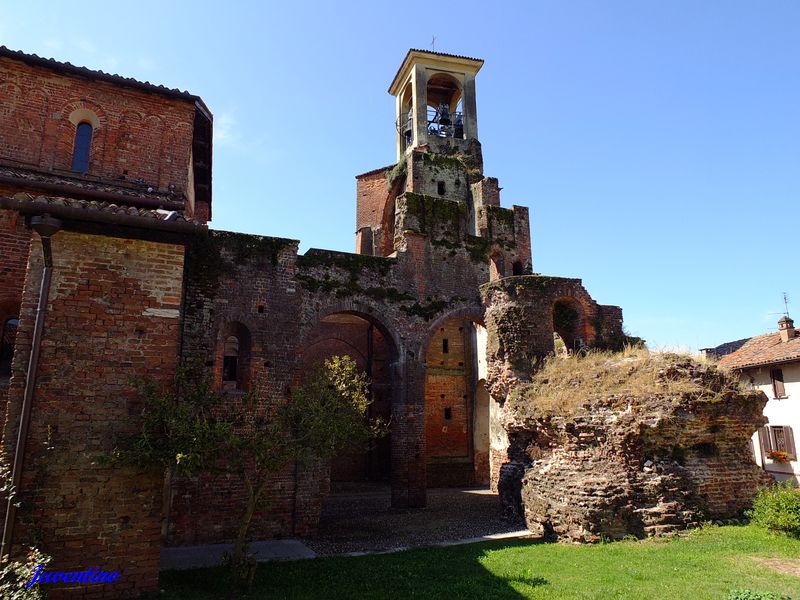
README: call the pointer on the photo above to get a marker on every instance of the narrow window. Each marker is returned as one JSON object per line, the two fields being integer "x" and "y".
{"x": 778, "y": 390}
{"x": 516, "y": 268}
{"x": 230, "y": 363}
{"x": 440, "y": 188}
{"x": 9, "y": 335}
{"x": 80, "y": 153}
{"x": 448, "y": 413}
{"x": 445, "y": 346}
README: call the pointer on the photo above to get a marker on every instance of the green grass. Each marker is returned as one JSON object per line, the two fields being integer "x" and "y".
{"x": 707, "y": 563}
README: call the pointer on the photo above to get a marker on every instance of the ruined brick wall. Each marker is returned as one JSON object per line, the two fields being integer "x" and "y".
{"x": 520, "y": 324}
{"x": 113, "y": 315}
{"x": 643, "y": 461}
{"x": 371, "y": 192}
{"x": 643, "y": 465}
{"x": 141, "y": 137}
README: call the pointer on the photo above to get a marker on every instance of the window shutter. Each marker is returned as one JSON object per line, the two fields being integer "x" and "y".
{"x": 764, "y": 439}
{"x": 778, "y": 389}
{"x": 788, "y": 435}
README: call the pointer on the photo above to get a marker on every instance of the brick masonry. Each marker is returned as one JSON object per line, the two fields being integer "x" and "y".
{"x": 100, "y": 333}
{"x": 133, "y": 303}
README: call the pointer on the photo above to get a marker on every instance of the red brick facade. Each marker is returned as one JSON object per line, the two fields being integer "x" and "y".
{"x": 134, "y": 295}
{"x": 112, "y": 316}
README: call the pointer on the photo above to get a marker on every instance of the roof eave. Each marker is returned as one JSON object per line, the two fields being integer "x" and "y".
{"x": 453, "y": 59}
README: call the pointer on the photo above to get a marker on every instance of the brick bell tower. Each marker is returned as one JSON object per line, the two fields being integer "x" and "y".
{"x": 439, "y": 175}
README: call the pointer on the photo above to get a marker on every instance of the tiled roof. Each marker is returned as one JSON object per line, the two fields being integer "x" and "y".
{"x": 446, "y": 54}
{"x": 32, "y": 176}
{"x": 408, "y": 54}
{"x": 53, "y": 64}
{"x": 764, "y": 349}
{"x": 41, "y": 203}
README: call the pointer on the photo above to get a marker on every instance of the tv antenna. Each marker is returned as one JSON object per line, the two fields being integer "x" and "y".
{"x": 786, "y": 304}
{"x": 433, "y": 43}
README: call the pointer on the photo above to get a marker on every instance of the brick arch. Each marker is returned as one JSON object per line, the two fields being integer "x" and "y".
{"x": 582, "y": 329}
{"x": 474, "y": 313}
{"x": 375, "y": 348}
{"x": 123, "y": 155}
{"x": 176, "y": 144}
{"x": 65, "y": 135}
{"x": 449, "y": 396}
{"x": 26, "y": 113}
{"x": 357, "y": 309}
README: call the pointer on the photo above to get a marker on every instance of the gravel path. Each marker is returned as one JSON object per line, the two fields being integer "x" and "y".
{"x": 363, "y": 521}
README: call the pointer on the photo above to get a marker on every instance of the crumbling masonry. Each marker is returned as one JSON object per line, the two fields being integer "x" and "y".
{"x": 122, "y": 172}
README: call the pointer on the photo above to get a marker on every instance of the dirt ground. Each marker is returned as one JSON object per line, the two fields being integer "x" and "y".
{"x": 360, "y": 519}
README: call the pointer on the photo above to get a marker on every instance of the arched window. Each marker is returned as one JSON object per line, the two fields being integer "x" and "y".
{"x": 80, "y": 153}
{"x": 9, "y": 335}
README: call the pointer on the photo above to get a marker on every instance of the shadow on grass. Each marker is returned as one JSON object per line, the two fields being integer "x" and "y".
{"x": 454, "y": 572}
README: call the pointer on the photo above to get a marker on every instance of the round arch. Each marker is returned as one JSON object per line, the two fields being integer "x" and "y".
{"x": 456, "y": 413}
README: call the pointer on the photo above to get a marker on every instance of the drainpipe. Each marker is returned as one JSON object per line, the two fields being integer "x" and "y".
{"x": 45, "y": 226}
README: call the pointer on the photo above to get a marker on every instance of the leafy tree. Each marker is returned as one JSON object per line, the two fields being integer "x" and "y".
{"x": 192, "y": 429}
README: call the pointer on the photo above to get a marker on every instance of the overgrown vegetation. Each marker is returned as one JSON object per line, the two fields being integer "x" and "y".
{"x": 754, "y": 595}
{"x": 191, "y": 429}
{"x": 17, "y": 572}
{"x": 706, "y": 564}
{"x": 778, "y": 508}
{"x": 16, "y": 576}
{"x": 564, "y": 384}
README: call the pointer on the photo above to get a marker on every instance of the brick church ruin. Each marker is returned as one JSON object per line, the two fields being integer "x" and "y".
{"x": 109, "y": 272}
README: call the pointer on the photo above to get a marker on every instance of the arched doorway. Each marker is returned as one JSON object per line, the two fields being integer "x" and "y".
{"x": 457, "y": 404}
{"x": 569, "y": 326}
{"x": 368, "y": 343}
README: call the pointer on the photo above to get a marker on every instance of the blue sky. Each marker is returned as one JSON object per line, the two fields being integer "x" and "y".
{"x": 657, "y": 144}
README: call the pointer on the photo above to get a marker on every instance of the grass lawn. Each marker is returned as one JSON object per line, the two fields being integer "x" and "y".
{"x": 707, "y": 563}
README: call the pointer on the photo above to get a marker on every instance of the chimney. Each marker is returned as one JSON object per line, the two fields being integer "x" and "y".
{"x": 786, "y": 328}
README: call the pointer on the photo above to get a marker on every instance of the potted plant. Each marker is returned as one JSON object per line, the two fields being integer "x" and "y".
{"x": 778, "y": 456}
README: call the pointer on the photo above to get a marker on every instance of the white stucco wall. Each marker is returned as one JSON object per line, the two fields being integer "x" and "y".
{"x": 779, "y": 411}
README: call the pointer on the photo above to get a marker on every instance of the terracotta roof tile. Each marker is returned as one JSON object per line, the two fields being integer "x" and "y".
{"x": 764, "y": 349}
{"x": 56, "y": 65}
{"x": 31, "y": 176}
{"x": 39, "y": 203}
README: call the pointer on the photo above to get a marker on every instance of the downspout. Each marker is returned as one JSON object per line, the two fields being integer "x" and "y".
{"x": 46, "y": 227}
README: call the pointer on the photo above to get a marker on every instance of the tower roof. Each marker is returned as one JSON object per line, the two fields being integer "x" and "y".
{"x": 472, "y": 65}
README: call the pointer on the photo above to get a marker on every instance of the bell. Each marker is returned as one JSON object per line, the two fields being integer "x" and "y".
{"x": 444, "y": 115}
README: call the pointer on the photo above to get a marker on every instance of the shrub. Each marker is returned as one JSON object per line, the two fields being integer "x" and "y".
{"x": 778, "y": 508}
{"x": 751, "y": 595}
{"x": 15, "y": 577}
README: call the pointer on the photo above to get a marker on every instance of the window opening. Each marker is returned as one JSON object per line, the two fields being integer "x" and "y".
{"x": 9, "y": 335}
{"x": 230, "y": 362}
{"x": 80, "y": 153}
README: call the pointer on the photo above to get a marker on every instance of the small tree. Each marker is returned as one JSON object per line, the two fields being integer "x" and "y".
{"x": 192, "y": 429}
